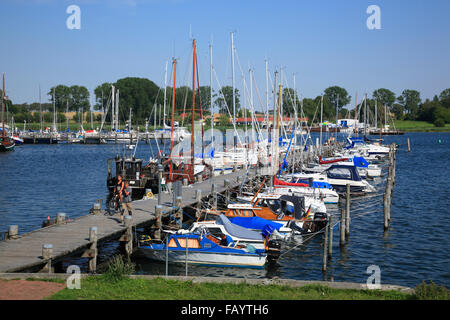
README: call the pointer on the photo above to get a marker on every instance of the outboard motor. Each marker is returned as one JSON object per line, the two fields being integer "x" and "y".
{"x": 320, "y": 220}
{"x": 273, "y": 250}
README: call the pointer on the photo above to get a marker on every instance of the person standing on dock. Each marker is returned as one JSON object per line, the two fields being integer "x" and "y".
{"x": 126, "y": 202}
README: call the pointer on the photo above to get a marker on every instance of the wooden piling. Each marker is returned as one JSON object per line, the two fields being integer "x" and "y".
{"x": 47, "y": 253}
{"x": 13, "y": 232}
{"x": 342, "y": 228}
{"x": 325, "y": 244}
{"x": 93, "y": 248}
{"x": 409, "y": 145}
{"x": 347, "y": 211}
{"x": 179, "y": 212}
{"x": 61, "y": 218}
{"x": 129, "y": 235}
{"x": 158, "y": 213}
{"x": 330, "y": 238}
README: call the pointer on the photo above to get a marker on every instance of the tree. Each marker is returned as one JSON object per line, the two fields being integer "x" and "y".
{"x": 102, "y": 95}
{"x": 337, "y": 96}
{"x": 227, "y": 93}
{"x": 397, "y": 110}
{"x": 384, "y": 96}
{"x": 445, "y": 94}
{"x": 62, "y": 95}
{"x": 79, "y": 99}
{"x": 410, "y": 100}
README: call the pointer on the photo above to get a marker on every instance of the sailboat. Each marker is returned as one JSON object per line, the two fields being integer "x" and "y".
{"x": 6, "y": 143}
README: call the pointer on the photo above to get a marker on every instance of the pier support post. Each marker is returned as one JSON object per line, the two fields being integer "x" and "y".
{"x": 179, "y": 213}
{"x": 47, "y": 253}
{"x": 330, "y": 237}
{"x": 342, "y": 228}
{"x": 347, "y": 211}
{"x": 93, "y": 249}
{"x": 214, "y": 196}
{"x": 158, "y": 213}
{"x": 61, "y": 218}
{"x": 13, "y": 232}
{"x": 226, "y": 184}
{"x": 198, "y": 199}
{"x": 409, "y": 145}
{"x": 129, "y": 235}
{"x": 160, "y": 173}
{"x": 325, "y": 244}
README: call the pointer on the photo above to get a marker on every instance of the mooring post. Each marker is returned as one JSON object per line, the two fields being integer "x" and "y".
{"x": 330, "y": 238}
{"x": 61, "y": 218}
{"x": 167, "y": 255}
{"x": 409, "y": 145}
{"x": 158, "y": 212}
{"x": 179, "y": 214}
{"x": 325, "y": 244}
{"x": 198, "y": 199}
{"x": 342, "y": 228}
{"x": 128, "y": 221}
{"x": 235, "y": 167}
{"x": 214, "y": 195}
{"x": 160, "y": 173}
{"x": 93, "y": 247}
{"x": 226, "y": 184}
{"x": 47, "y": 253}
{"x": 185, "y": 182}
{"x": 347, "y": 211}
{"x": 386, "y": 205}
{"x": 13, "y": 232}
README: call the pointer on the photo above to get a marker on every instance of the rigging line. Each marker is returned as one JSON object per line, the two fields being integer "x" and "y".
{"x": 226, "y": 105}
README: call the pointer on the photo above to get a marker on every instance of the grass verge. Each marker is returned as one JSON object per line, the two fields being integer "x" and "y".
{"x": 102, "y": 288}
{"x": 419, "y": 126}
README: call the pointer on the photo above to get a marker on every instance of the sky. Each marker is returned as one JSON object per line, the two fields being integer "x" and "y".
{"x": 324, "y": 43}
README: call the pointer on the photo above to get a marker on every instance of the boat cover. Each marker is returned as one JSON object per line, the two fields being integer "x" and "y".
{"x": 360, "y": 162}
{"x": 256, "y": 223}
{"x": 237, "y": 230}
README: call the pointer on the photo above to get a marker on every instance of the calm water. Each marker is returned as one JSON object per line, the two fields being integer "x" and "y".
{"x": 42, "y": 180}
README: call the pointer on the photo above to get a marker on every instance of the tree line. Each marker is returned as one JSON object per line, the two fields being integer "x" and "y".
{"x": 145, "y": 99}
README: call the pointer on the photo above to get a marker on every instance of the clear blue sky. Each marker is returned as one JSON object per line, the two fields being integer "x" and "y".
{"x": 324, "y": 42}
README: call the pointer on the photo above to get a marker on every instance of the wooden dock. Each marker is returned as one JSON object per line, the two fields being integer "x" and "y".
{"x": 73, "y": 237}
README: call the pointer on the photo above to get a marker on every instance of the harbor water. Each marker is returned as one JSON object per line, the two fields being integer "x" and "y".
{"x": 37, "y": 181}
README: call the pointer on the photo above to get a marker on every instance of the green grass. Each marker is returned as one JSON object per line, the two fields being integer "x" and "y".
{"x": 419, "y": 126}
{"x": 100, "y": 288}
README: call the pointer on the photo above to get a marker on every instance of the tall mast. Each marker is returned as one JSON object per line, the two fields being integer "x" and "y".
{"x": 337, "y": 113}
{"x": 113, "y": 109}
{"x": 173, "y": 115}
{"x": 40, "y": 106}
{"x": 321, "y": 121}
{"x": 295, "y": 125}
{"x": 193, "y": 109}
{"x": 365, "y": 113}
{"x": 376, "y": 120}
{"x": 211, "y": 107}
{"x": 356, "y": 112}
{"x": 3, "y": 107}
{"x": 165, "y": 95}
{"x": 266, "y": 113}
{"x": 54, "y": 111}
{"x": 234, "y": 96}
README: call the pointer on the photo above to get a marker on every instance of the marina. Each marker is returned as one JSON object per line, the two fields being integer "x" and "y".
{"x": 71, "y": 240}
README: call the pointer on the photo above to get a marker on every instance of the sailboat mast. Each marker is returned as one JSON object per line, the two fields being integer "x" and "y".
{"x": 40, "y": 107}
{"x": 211, "y": 108}
{"x": 165, "y": 95}
{"x": 321, "y": 121}
{"x": 234, "y": 96}
{"x": 337, "y": 113}
{"x": 173, "y": 114}
{"x": 3, "y": 107}
{"x": 113, "y": 109}
{"x": 193, "y": 109}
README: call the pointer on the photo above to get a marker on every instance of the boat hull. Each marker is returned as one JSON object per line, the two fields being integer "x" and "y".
{"x": 206, "y": 258}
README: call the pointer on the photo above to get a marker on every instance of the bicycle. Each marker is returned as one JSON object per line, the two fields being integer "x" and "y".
{"x": 115, "y": 205}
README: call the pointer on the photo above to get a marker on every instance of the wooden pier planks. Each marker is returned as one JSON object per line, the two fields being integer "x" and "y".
{"x": 26, "y": 251}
